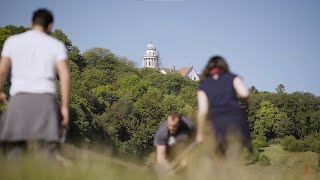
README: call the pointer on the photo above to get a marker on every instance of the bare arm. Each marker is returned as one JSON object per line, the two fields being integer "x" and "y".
{"x": 161, "y": 155}
{"x": 241, "y": 89}
{"x": 64, "y": 76}
{"x": 5, "y": 65}
{"x": 203, "y": 106}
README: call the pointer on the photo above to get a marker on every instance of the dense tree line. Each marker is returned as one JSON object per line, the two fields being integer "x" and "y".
{"x": 114, "y": 103}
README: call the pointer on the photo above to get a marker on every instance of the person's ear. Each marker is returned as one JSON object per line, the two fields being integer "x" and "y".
{"x": 31, "y": 24}
{"x": 49, "y": 28}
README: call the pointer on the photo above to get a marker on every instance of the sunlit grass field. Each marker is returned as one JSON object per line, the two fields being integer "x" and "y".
{"x": 89, "y": 165}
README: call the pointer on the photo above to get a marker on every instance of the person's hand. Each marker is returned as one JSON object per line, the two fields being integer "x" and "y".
{"x": 163, "y": 169}
{"x": 199, "y": 138}
{"x": 65, "y": 117}
{"x": 183, "y": 164}
{"x": 3, "y": 97}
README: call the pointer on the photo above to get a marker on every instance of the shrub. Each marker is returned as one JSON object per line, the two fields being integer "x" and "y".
{"x": 253, "y": 157}
{"x": 287, "y": 141}
{"x": 264, "y": 160}
{"x": 150, "y": 160}
{"x": 310, "y": 143}
{"x": 297, "y": 146}
{"x": 274, "y": 141}
{"x": 315, "y": 146}
{"x": 313, "y": 142}
{"x": 259, "y": 143}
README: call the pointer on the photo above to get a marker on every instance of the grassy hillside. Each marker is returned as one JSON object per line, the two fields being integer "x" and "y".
{"x": 90, "y": 165}
{"x": 288, "y": 163}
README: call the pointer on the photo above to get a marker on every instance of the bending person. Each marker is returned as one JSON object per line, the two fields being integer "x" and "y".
{"x": 172, "y": 137}
{"x": 217, "y": 100}
{"x": 33, "y": 113}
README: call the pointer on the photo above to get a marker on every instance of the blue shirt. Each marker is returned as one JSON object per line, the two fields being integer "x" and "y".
{"x": 184, "y": 133}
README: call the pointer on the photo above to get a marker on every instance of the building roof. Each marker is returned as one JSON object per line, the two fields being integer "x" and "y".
{"x": 151, "y": 46}
{"x": 184, "y": 71}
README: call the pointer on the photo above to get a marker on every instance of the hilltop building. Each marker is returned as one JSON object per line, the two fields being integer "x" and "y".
{"x": 151, "y": 59}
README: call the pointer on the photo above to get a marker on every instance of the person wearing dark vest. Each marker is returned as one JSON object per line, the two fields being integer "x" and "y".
{"x": 172, "y": 136}
{"x": 33, "y": 113}
{"x": 218, "y": 95}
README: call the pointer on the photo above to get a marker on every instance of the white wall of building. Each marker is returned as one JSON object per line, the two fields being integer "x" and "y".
{"x": 193, "y": 75}
{"x": 151, "y": 57}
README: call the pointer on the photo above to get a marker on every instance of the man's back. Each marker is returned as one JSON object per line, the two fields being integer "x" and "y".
{"x": 33, "y": 113}
{"x": 34, "y": 55}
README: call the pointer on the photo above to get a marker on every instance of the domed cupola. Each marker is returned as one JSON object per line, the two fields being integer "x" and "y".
{"x": 151, "y": 56}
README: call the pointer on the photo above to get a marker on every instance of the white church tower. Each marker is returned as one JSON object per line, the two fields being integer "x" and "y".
{"x": 151, "y": 57}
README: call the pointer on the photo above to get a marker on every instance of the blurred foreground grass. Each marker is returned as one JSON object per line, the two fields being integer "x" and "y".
{"x": 90, "y": 165}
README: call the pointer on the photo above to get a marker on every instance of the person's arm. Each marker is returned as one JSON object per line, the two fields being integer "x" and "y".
{"x": 160, "y": 144}
{"x": 161, "y": 155}
{"x": 241, "y": 89}
{"x": 5, "y": 65}
{"x": 64, "y": 76}
{"x": 203, "y": 106}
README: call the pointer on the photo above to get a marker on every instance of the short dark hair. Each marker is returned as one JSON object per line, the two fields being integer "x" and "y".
{"x": 215, "y": 61}
{"x": 42, "y": 17}
{"x": 175, "y": 115}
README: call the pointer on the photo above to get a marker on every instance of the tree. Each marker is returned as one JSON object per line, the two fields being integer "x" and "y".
{"x": 94, "y": 54}
{"x": 9, "y": 30}
{"x": 59, "y": 34}
{"x": 280, "y": 88}
{"x": 93, "y": 77}
{"x": 172, "y": 103}
{"x": 253, "y": 89}
{"x": 119, "y": 123}
{"x": 315, "y": 122}
{"x": 269, "y": 121}
{"x": 188, "y": 95}
{"x": 76, "y": 57}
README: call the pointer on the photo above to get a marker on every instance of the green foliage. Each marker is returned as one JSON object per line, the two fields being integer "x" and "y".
{"x": 252, "y": 157}
{"x": 172, "y": 103}
{"x": 259, "y": 143}
{"x": 253, "y": 89}
{"x": 9, "y": 30}
{"x": 269, "y": 121}
{"x": 310, "y": 143}
{"x": 287, "y": 141}
{"x": 59, "y": 34}
{"x": 280, "y": 88}
{"x": 76, "y": 57}
{"x": 264, "y": 160}
{"x": 116, "y": 103}
{"x": 92, "y": 78}
{"x": 94, "y": 54}
{"x": 274, "y": 141}
{"x": 302, "y": 110}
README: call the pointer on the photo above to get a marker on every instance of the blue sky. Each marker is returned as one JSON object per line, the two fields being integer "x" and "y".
{"x": 267, "y": 42}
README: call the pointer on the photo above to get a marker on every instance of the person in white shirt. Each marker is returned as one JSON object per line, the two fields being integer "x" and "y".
{"x": 33, "y": 113}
